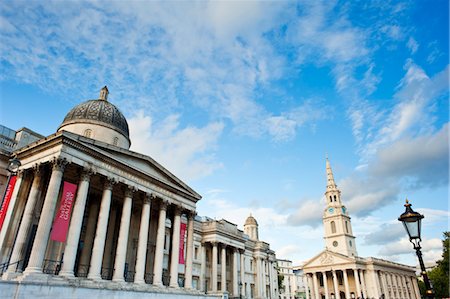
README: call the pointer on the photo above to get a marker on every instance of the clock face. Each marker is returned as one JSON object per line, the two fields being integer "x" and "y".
{"x": 335, "y": 243}
{"x": 343, "y": 210}
{"x": 330, "y": 210}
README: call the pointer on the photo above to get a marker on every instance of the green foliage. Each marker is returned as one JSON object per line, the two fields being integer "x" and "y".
{"x": 280, "y": 281}
{"x": 439, "y": 275}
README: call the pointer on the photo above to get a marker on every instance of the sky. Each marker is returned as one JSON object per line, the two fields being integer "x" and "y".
{"x": 244, "y": 100}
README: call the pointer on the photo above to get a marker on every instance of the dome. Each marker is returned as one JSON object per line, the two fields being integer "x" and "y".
{"x": 251, "y": 220}
{"x": 97, "y": 113}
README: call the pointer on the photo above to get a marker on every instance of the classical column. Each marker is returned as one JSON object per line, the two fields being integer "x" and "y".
{"x": 376, "y": 284}
{"x": 335, "y": 285}
{"x": 271, "y": 285}
{"x": 235, "y": 273}
{"x": 95, "y": 267}
{"x": 143, "y": 239}
{"x": 325, "y": 284}
{"x": 122, "y": 241}
{"x": 202, "y": 267}
{"x": 189, "y": 251}
{"x": 242, "y": 264}
{"x": 316, "y": 286}
{"x": 258, "y": 277}
{"x": 357, "y": 283}
{"x": 384, "y": 284}
{"x": 415, "y": 287}
{"x": 263, "y": 277}
{"x": 306, "y": 282}
{"x": 363, "y": 282}
{"x": 214, "y": 268}
{"x": 46, "y": 219}
{"x": 224, "y": 268}
{"x": 159, "y": 249}
{"x": 21, "y": 239}
{"x": 76, "y": 222}
{"x": 404, "y": 287}
{"x": 175, "y": 255}
{"x": 347, "y": 289}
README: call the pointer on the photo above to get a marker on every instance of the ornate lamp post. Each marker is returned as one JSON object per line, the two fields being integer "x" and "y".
{"x": 411, "y": 221}
{"x": 12, "y": 168}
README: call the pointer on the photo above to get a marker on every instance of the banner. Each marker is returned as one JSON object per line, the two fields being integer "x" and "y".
{"x": 182, "y": 234}
{"x": 7, "y": 199}
{"x": 62, "y": 219}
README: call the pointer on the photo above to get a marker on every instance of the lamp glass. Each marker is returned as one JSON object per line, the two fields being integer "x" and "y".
{"x": 14, "y": 165}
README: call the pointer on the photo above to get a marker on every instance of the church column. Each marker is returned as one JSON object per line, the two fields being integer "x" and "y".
{"x": 384, "y": 284}
{"x": 214, "y": 267}
{"x": 363, "y": 282}
{"x": 316, "y": 286}
{"x": 306, "y": 282}
{"x": 142, "y": 241}
{"x": 175, "y": 254}
{"x": 347, "y": 289}
{"x": 73, "y": 236}
{"x": 21, "y": 239}
{"x": 235, "y": 273}
{"x": 242, "y": 264}
{"x": 100, "y": 233}
{"x": 224, "y": 268}
{"x": 357, "y": 283}
{"x": 189, "y": 249}
{"x": 325, "y": 284}
{"x": 122, "y": 241}
{"x": 202, "y": 267}
{"x": 335, "y": 285}
{"x": 46, "y": 219}
{"x": 159, "y": 249}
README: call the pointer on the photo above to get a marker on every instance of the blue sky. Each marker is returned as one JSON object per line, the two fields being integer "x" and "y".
{"x": 243, "y": 100}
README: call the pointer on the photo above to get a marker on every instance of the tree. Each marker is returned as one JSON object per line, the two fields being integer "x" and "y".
{"x": 439, "y": 275}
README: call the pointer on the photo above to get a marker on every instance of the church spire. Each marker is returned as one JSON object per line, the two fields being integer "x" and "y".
{"x": 330, "y": 178}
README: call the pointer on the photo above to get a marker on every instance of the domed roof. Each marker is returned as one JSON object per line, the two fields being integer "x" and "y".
{"x": 251, "y": 221}
{"x": 98, "y": 111}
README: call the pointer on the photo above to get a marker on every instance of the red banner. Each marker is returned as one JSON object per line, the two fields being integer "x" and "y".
{"x": 7, "y": 198}
{"x": 62, "y": 219}
{"x": 182, "y": 234}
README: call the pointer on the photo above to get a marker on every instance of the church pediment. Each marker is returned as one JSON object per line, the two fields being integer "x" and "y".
{"x": 327, "y": 258}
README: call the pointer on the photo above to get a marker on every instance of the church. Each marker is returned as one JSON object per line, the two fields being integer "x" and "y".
{"x": 85, "y": 216}
{"x": 338, "y": 272}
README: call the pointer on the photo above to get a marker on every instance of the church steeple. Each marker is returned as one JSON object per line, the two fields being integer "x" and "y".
{"x": 336, "y": 221}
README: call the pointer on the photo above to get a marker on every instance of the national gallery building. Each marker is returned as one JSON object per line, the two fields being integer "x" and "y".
{"x": 85, "y": 216}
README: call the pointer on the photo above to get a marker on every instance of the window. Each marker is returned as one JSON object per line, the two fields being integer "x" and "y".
{"x": 333, "y": 227}
{"x": 88, "y": 133}
{"x": 340, "y": 278}
{"x": 115, "y": 141}
{"x": 335, "y": 198}
{"x": 331, "y": 199}
{"x": 346, "y": 226}
{"x": 321, "y": 280}
{"x": 350, "y": 242}
{"x": 196, "y": 253}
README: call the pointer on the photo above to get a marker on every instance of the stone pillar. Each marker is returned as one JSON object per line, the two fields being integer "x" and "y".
{"x": 73, "y": 236}
{"x": 159, "y": 249}
{"x": 46, "y": 219}
{"x": 325, "y": 284}
{"x": 384, "y": 284}
{"x": 224, "y": 268}
{"x": 141, "y": 259}
{"x": 263, "y": 277}
{"x": 306, "y": 282}
{"x": 202, "y": 267}
{"x": 175, "y": 254}
{"x": 242, "y": 264}
{"x": 404, "y": 287}
{"x": 100, "y": 233}
{"x": 335, "y": 285}
{"x": 235, "y": 273}
{"x": 189, "y": 251}
{"x": 214, "y": 268}
{"x": 357, "y": 283}
{"x": 122, "y": 241}
{"x": 316, "y": 286}
{"x": 258, "y": 278}
{"x": 21, "y": 239}
{"x": 415, "y": 287}
{"x": 347, "y": 289}
{"x": 363, "y": 282}
{"x": 376, "y": 284}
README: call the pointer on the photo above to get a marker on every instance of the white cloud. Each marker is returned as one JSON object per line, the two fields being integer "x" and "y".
{"x": 188, "y": 152}
{"x": 309, "y": 212}
{"x": 412, "y": 45}
{"x": 430, "y": 249}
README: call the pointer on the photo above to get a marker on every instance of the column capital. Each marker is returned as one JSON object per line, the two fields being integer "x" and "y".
{"x": 109, "y": 183}
{"x": 86, "y": 174}
{"x": 164, "y": 204}
{"x": 190, "y": 214}
{"x": 129, "y": 191}
{"x": 177, "y": 210}
{"x": 37, "y": 168}
{"x": 59, "y": 163}
{"x": 149, "y": 197}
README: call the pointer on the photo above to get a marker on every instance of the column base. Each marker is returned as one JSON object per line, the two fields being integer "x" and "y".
{"x": 11, "y": 275}
{"x": 158, "y": 284}
{"x": 32, "y": 270}
{"x": 95, "y": 277}
{"x": 118, "y": 279}
{"x": 67, "y": 274}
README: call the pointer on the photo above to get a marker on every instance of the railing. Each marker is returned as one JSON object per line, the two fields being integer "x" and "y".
{"x": 107, "y": 273}
{"x": 148, "y": 277}
{"x": 51, "y": 267}
{"x": 82, "y": 271}
{"x": 5, "y": 266}
{"x": 7, "y": 143}
{"x": 129, "y": 276}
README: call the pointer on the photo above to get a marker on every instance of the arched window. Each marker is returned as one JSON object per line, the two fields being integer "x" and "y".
{"x": 115, "y": 141}
{"x": 88, "y": 133}
{"x": 335, "y": 198}
{"x": 331, "y": 199}
{"x": 346, "y": 226}
{"x": 333, "y": 227}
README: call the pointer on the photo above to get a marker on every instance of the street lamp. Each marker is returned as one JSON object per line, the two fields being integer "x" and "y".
{"x": 12, "y": 168}
{"x": 411, "y": 221}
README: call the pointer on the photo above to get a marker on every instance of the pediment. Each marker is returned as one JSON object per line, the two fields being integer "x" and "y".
{"x": 327, "y": 258}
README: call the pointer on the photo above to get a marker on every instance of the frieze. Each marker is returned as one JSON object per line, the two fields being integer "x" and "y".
{"x": 326, "y": 259}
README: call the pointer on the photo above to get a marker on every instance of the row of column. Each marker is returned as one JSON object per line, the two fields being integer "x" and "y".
{"x": 312, "y": 284}
{"x": 397, "y": 286}
{"x": 46, "y": 218}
